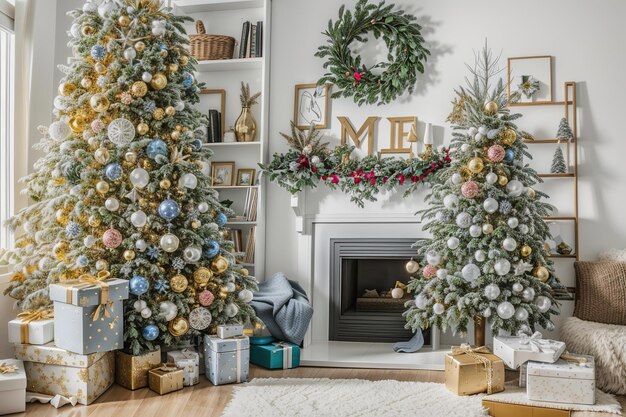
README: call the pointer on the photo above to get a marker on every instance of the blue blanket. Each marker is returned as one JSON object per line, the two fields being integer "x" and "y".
{"x": 284, "y": 307}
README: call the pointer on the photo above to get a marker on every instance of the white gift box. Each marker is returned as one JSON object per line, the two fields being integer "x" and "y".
{"x": 36, "y": 332}
{"x": 565, "y": 381}
{"x": 516, "y": 350}
{"x": 226, "y": 331}
{"x": 12, "y": 386}
{"x": 189, "y": 361}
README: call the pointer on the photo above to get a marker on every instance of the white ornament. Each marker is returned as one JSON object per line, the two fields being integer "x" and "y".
{"x": 146, "y": 77}
{"x": 472, "y": 131}
{"x": 492, "y": 291}
{"x": 433, "y": 258}
{"x": 523, "y": 229}
{"x": 206, "y": 168}
{"x": 231, "y": 310}
{"x": 478, "y": 137}
{"x": 59, "y": 130}
{"x": 139, "y": 305}
{"x": 528, "y": 294}
{"x": 543, "y": 303}
{"x": 491, "y": 178}
{"x": 158, "y": 27}
{"x": 89, "y": 241}
{"x": 521, "y": 314}
{"x": 513, "y": 222}
{"x": 480, "y": 255}
{"x": 180, "y": 106}
{"x": 106, "y": 8}
{"x": 440, "y": 216}
{"x": 121, "y": 131}
{"x": 169, "y": 242}
{"x": 515, "y": 188}
{"x": 490, "y": 205}
{"x": 456, "y": 178}
{"x": 168, "y": 309}
{"x": 245, "y": 296}
{"x": 101, "y": 265}
{"x": 487, "y": 313}
{"x": 502, "y": 266}
{"x": 464, "y": 220}
{"x": 139, "y": 177}
{"x": 483, "y": 130}
{"x": 470, "y": 272}
{"x": 475, "y": 230}
{"x": 90, "y": 7}
{"x": 146, "y": 313}
{"x": 397, "y": 293}
{"x": 188, "y": 181}
{"x": 203, "y": 207}
{"x": 192, "y": 253}
{"x": 442, "y": 273}
{"x": 138, "y": 218}
{"x": 465, "y": 148}
{"x": 438, "y": 308}
{"x": 130, "y": 54}
{"x": 521, "y": 267}
{"x": 505, "y": 310}
{"x": 509, "y": 244}
{"x": 231, "y": 287}
{"x": 141, "y": 245}
{"x": 112, "y": 204}
{"x": 517, "y": 287}
{"x": 453, "y": 242}
{"x": 59, "y": 103}
{"x": 421, "y": 301}
{"x": 450, "y": 201}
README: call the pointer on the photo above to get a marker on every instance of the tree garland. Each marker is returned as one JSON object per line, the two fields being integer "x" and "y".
{"x": 406, "y": 54}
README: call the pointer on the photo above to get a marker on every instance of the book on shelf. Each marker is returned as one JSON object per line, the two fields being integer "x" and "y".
{"x": 250, "y": 245}
{"x": 236, "y": 236}
{"x": 215, "y": 127}
{"x": 259, "y": 39}
{"x": 250, "y": 205}
{"x": 253, "y": 39}
{"x": 251, "y": 42}
{"x": 245, "y": 33}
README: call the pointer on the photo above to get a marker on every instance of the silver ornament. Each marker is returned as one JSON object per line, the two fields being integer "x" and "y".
{"x": 169, "y": 242}
{"x": 513, "y": 222}
{"x": 509, "y": 244}
{"x": 453, "y": 242}
{"x": 517, "y": 287}
{"x": 521, "y": 314}
{"x": 543, "y": 303}
{"x": 470, "y": 272}
{"x": 528, "y": 294}
{"x": 491, "y": 178}
{"x": 505, "y": 310}
{"x": 502, "y": 266}
{"x": 490, "y": 205}
{"x": 192, "y": 253}
{"x": 480, "y": 255}
{"x": 475, "y": 230}
{"x": 492, "y": 291}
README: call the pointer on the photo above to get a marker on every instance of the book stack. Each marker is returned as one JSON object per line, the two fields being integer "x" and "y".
{"x": 249, "y": 210}
{"x": 215, "y": 127}
{"x": 236, "y": 236}
{"x": 250, "y": 245}
{"x": 251, "y": 45}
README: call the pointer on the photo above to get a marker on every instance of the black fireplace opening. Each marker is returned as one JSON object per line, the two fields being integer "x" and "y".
{"x": 363, "y": 304}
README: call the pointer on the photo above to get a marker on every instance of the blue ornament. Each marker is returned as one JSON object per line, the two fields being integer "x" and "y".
{"x": 156, "y": 147}
{"x": 509, "y": 155}
{"x": 187, "y": 80}
{"x": 82, "y": 261}
{"x": 98, "y": 52}
{"x": 153, "y": 253}
{"x": 72, "y": 230}
{"x": 138, "y": 285}
{"x": 150, "y": 332}
{"x": 169, "y": 209}
{"x": 149, "y": 106}
{"x": 221, "y": 219}
{"x": 162, "y": 285}
{"x": 178, "y": 263}
{"x": 213, "y": 248}
{"x": 196, "y": 144}
{"x": 505, "y": 207}
{"x": 113, "y": 171}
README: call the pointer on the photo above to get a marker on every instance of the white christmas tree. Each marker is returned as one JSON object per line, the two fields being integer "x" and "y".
{"x": 564, "y": 133}
{"x": 558, "y": 162}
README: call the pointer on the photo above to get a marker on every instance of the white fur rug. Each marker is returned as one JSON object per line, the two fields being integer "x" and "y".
{"x": 295, "y": 397}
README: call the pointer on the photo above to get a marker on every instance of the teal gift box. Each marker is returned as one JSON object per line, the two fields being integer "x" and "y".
{"x": 279, "y": 355}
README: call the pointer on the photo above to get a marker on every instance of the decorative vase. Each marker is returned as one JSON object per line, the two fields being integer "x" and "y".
{"x": 479, "y": 330}
{"x": 245, "y": 126}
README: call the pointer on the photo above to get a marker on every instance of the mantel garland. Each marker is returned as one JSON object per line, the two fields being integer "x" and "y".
{"x": 308, "y": 163}
{"x": 351, "y": 77}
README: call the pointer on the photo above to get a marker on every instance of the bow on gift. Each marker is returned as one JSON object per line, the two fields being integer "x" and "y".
{"x": 5, "y": 368}
{"x": 287, "y": 354}
{"x": 535, "y": 343}
{"x": 168, "y": 367}
{"x": 32, "y": 315}
{"x": 476, "y": 354}
{"x": 105, "y": 304}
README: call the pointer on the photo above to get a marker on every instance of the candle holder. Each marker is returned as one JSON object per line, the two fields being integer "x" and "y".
{"x": 412, "y": 139}
{"x": 428, "y": 152}
{"x": 428, "y": 143}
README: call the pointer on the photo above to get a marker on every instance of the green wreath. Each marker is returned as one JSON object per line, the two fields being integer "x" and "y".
{"x": 406, "y": 54}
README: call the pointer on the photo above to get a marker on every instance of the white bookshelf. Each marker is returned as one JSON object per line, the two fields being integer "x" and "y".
{"x": 226, "y": 17}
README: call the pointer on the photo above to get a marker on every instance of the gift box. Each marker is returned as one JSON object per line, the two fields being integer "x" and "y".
{"x": 51, "y": 370}
{"x": 12, "y": 386}
{"x": 226, "y": 331}
{"x": 570, "y": 380}
{"x": 131, "y": 371}
{"x": 470, "y": 370}
{"x": 280, "y": 355}
{"x": 35, "y": 327}
{"x": 88, "y": 313}
{"x": 516, "y": 350}
{"x": 165, "y": 379}
{"x": 189, "y": 361}
{"x": 498, "y": 409}
{"x": 522, "y": 375}
{"x": 227, "y": 360}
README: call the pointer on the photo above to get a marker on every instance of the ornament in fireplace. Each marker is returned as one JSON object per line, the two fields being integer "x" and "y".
{"x": 486, "y": 258}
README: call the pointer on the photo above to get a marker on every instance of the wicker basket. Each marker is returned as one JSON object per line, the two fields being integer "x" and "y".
{"x": 208, "y": 47}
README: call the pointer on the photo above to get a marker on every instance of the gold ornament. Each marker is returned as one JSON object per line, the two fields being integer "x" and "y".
{"x": 101, "y": 155}
{"x": 195, "y": 224}
{"x": 508, "y": 136}
{"x": 143, "y": 202}
{"x": 86, "y": 82}
{"x": 170, "y": 111}
{"x": 99, "y": 103}
{"x": 60, "y": 250}
{"x": 202, "y": 276}
{"x": 503, "y": 180}
{"x": 475, "y": 165}
{"x": 143, "y": 128}
{"x": 219, "y": 264}
{"x": 176, "y": 135}
{"x": 146, "y": 164}
{"x": 87, "y": 30}
{"x": 158, "y": 114}
{"x": 165, "y": 184}
{"x": 179, "y": 127}
{"x": 465, "y": 173}
{"x": 123, "y": 21}
{"x": 159, "y": 81}
{"x": 178, "y": 283}
{"x": 77, "y": 124}
{"x": 244, "y": 272}
{"x": 129, "y": 254}
{"x": 412, "y": 266}
{"x": 491, "y": 107}
{"x": 541, "y": 273}
{"x": 487, "y": 228}
{"x": 102, "y": 187}
{"x": 525, "y": 251}
{"x": 66, "y": 89}
{"x": 531, "y": 193}
{"x": 163, "y": 53}
{"x": 62, "y": 217}
{"x": 94, "y": 221}
{"x": 140, "y": 46}
{"x": 172, "y": 67}
{"x": 100, "y": 68}
{"x": 139, "y": 89}
{"x": 183, "y": 60}
{"x": 130, "y": 157}
{"x": 178, "y": 326}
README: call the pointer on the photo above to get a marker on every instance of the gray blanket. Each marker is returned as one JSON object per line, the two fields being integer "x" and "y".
{"x": 284, "y": 307}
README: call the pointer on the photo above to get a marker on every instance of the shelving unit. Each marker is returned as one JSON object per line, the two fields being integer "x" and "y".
{"x": 226, "y": 17}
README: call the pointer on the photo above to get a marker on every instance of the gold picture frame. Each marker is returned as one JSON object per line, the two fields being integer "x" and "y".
{"x": 222, "y": 173}
{"x": 537, "y": 66}
{"x": 222, "y": 94}
{"x": 311, "y": 105}
{"x": 245, "y": 177}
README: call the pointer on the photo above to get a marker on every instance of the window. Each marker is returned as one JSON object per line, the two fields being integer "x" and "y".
{"x": 7, "y": 48}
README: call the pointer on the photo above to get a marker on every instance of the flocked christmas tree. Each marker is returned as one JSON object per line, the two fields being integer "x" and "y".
{"x": 486, "y": 257}
{"x": 558, "y": 162}
{"x": 123, "y": 185}
{"x": 564, "y": 132}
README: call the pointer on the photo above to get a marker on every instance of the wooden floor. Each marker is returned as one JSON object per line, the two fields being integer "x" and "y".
{"x": 206, "y": 400}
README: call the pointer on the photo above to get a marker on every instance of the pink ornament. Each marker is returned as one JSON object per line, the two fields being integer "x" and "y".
{"x": 495, "y": 153}
{"x": 430, "y": 271}
{"x": 112, "y": 238}
{"x": 97, "y": 126}
{"x": 469, "y": 189}
{"x": 205, "y": 298}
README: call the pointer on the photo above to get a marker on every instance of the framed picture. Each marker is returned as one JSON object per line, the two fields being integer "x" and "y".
{"x": 530, "y": 79}
{"x": 222, "y": 174}
{"x": 310, "y": 106}
{"x": 245, "y": 177}
{"x": 210, "y": 102}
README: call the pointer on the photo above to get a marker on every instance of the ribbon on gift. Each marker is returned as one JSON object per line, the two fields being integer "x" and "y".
{"x": 168, "y": 367}
{"x": 238, "y": 341}
{"x": 87, "y": 280}
{"x": 27, "y": 316}
{"x": 5, "y": 368}
{"x": 287, "y": 354}
{"x": 580, "y": 360}
{"x": 536, "y": 343}
{"x": 476, "y": 354}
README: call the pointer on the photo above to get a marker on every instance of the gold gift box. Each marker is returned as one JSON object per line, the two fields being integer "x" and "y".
{"x": 131, "y": 371}
{"x": 498, "y": 409}
{"x": 166, "y": 378}
{"x": 466, "y": 373}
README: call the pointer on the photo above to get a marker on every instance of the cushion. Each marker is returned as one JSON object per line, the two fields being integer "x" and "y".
{"x": 601, "y": 292}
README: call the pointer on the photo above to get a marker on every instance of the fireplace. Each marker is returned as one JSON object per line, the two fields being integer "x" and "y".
{"x": 362, "y": 274}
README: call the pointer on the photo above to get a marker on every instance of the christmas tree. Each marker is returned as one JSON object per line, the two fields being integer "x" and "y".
{"x": 564, "y": 133}
{"x": 486, "y": 257}
{"x": 123, "y": 185}
{"x": 558, "y": 162}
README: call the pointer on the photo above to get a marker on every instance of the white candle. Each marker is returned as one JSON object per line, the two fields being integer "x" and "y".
{"x": 428, "y": 134}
